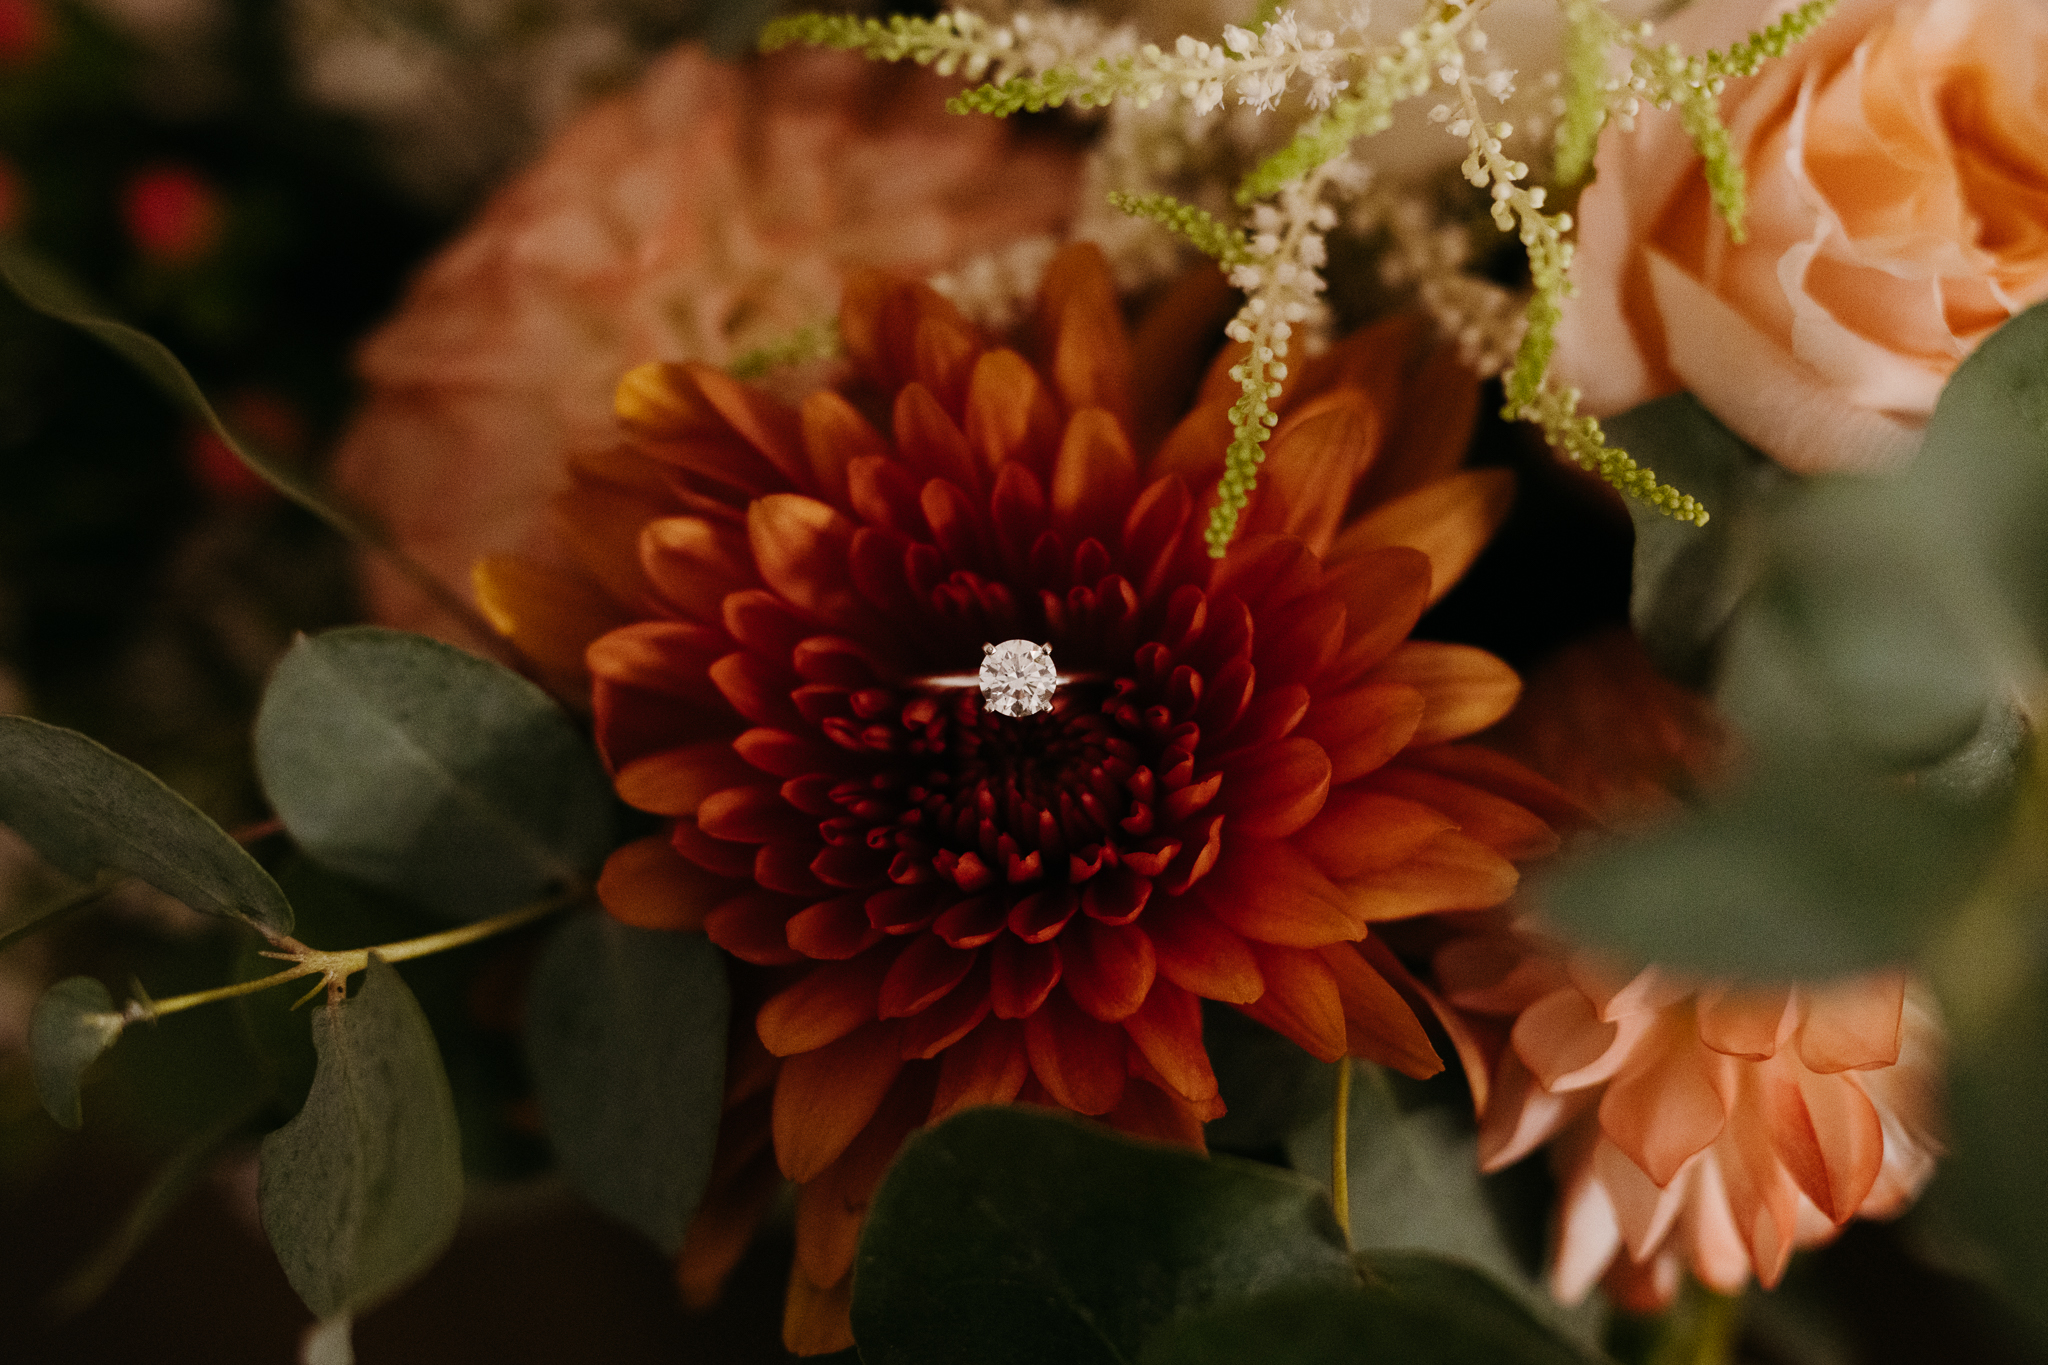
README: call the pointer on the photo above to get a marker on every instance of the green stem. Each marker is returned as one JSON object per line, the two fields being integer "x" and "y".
{"x": 336, "y": 968}
{"x": 1340, "y": 1154}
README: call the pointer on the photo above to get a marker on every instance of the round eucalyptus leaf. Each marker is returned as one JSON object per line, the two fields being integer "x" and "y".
{"x": 626, "y": 1034}
{"x": 1007, "y": 1236}
{"x": 429, "y": 772}
{"x": 86, "y": 808}
{"x": 362, "y": 1190}
{"x": 72, "y": 1025}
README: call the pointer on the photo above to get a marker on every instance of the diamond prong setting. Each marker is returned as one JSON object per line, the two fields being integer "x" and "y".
{"x": 1018, "y": 678}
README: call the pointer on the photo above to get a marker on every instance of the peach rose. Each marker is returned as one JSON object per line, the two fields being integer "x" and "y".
{"x": 1898, "y": 213}
{"x": 710, "y": 211}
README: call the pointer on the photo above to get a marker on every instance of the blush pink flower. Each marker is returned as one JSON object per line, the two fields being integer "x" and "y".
{"x": 1897, "y": 165}
{"x": 1693, "y": 1125}
{"x": 712, "y": 210}
{"x": 1699, "y": 1128}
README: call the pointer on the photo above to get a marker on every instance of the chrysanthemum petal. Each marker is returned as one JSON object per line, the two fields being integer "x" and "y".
{"x": 1663, "y": 1106}
{"x": 925, "y": 971}
{"x": 1108, "y": 968}
{"x": 824, "y": 1098}
{"x": 1463, "y": 689}
{"x": 1276, "y": 789}
{"x": 988, "y": 1066}
{"x": 647, "y": 884}
{"x": 1167, "y": 1029}
{"x": 1077, "y": 1058}
{"x": 1359, "y": 832}
{"x": 824, "y": 1005}
{"x": 1379, "y": 1021}
{"x": 1449, "y": 872}
{"x": 1301, "y": 1000}
{"x": 1450, "y": 521}
{"x": 676, "y": 781}
{"x": 1827, "y": 1133}
{"x": 1094, "y": 476}
{"x": 1743, "y": 1023}
{"x": 1197, "y": 953}
{"x": 1363, "y": 728}
{"x": 1022, "y": 975}
{"x": 1269, "y": 892}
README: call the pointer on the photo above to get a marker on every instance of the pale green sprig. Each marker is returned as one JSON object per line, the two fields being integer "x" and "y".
{"x": 1397, "y": 71}
{"x": 1588, "y": 37}
{"x": 1227, "y": 246}
{"x": 1281, "y": 275}
{"x": 815, "y": 341}
{"x": 1693, "y": 85}
{"x": 1529, "y": 395}
{"x": 1580, "y": 438}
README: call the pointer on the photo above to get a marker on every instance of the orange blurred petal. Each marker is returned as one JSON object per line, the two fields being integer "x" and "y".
{"x": 1853, "y": 1025}
{"x": 1663, "y": 1106}
{"x": 648, "y": 885}
{"x": 988, "y": 1066}
{"x": 817, "y": 1319}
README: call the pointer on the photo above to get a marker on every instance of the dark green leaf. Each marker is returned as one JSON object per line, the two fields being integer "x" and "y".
{"x": 1412, "y": 1308}
{"x": 1415, "y": 1183}
{"x": 1267, "y": 1081}
{"x": 1014, "y": 1237}
{"x": 86, "y": 808}
{"x": 1808, "y": 871}
{"x": 1981, "y": 478}
{"x": 73, "y": 1024}
{"x": 625, "y": 1029}
{"x": 430, "y": 772}
{"x": 1688, "y": 579}
{"x": 361, "y": 1191}
{"x": 1858, "y": 642}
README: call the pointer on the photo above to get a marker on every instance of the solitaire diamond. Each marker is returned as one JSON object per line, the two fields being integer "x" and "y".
{"x": 1017, "y": 678}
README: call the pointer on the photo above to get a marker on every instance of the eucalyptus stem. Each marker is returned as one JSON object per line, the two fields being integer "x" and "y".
{"x": 48, "y": 916}
{"x": 336, "y": 968}
{"x": 1340, "y": 1155}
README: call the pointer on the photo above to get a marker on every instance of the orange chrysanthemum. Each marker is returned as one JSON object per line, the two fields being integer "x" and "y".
{"x": 947, "y": 907}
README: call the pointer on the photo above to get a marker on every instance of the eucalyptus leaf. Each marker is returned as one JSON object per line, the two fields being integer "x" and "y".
{"x": 362, "y": 1190}
{"x": 1013, "y": 1237}
{"x": 626, "y": 1033}
{"x": 72, "y": 1025}
{"x": 430, "y": 772}
{"x": 1806, "y": 871}
{"x": 1268, "y": 1083}
{"x": 85, "y": 809}
{"x": 1411, "y": 1308}
{"x": 1689, "y": 579}
{"x": 1413, "y": 1173}
{"x": 1981, "y": 478}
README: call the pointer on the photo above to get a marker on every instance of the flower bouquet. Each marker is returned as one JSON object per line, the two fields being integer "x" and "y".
{"x": 1334, "y": 684}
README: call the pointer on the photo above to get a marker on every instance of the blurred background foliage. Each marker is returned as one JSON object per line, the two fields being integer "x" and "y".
{"x": 252, "y": 181}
